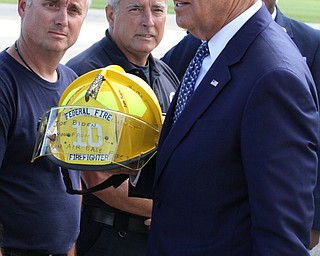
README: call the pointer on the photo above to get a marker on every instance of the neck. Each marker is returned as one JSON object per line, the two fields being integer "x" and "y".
{"x": 39, "y": 63}
{"x": 21, "y": 58}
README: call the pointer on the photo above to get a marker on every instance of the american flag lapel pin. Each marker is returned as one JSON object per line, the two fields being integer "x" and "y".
{"x": 214, "y": 83}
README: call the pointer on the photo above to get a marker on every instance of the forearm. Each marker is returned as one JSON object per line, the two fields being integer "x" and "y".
{"x": 118, "y": 197}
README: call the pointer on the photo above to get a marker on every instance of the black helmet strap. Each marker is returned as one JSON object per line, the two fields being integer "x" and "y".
{"x": 115, "y": 180}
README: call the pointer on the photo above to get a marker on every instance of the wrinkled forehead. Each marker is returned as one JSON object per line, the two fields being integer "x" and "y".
{"x": 82, "y": 3}
{"x": 137, "y": 3}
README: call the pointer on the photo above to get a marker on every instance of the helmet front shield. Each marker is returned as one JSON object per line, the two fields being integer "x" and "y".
{"x": 91, "y": 138}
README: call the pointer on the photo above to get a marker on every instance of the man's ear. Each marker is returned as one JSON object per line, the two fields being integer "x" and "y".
{"x": 22, "y": 4}
{"x": 109, "y": 15}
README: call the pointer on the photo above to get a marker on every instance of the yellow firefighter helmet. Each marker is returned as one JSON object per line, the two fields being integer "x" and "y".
{"x": 105, "y": 119}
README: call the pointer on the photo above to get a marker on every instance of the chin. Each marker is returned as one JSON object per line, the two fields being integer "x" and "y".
{"x": 146, "y": 47}
{"x": 182, "y": 22}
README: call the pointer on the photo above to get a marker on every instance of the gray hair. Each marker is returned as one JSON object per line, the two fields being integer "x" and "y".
{"x": 114, "y": 4}
{"x": 28, "y": 2}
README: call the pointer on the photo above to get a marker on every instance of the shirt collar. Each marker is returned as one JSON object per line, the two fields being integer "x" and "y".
{"x": 219, "y": 41}
{"x": 274, "y": 14}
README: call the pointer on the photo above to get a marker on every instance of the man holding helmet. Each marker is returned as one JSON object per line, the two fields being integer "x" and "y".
{"x": 112, "y": 223}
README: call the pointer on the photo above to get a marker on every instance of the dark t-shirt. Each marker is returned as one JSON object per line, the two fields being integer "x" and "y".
{"x": 36, "y": 212}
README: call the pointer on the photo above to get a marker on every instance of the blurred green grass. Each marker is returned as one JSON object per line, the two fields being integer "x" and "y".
{"x": 303, "y": 10}
{"x": 100, "y": 4}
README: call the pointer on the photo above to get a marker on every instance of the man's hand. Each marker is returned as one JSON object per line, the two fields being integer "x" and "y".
{"x": 147, "y": 222}
{"x": 72, "y": 252}
{"x": 314, "y": 238}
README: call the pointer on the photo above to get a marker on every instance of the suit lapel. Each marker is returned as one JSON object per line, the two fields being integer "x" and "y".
{"x": 208, "y": 90}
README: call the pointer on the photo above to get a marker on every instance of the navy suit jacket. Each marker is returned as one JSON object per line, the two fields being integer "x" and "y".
{"x": 305, "y": 37}
{"x": 235, "y": 174}
{"x": 308, "y": 41}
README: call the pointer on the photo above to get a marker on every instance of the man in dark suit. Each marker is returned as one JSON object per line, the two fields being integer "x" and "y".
{"x": 307, "y": 40}
{"x": 235, "y": 172}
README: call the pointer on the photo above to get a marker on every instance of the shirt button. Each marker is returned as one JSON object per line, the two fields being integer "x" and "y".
{"x": 157, "y": 202}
